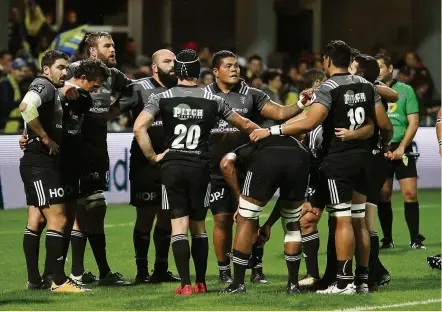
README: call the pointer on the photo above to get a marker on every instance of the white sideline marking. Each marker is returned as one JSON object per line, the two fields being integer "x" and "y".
{"x": 397, "y": 305}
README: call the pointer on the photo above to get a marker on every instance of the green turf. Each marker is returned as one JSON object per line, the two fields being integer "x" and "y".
{"x": 412, "y": 281}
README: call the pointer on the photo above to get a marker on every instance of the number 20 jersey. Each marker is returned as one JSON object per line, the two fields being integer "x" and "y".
{"x": 350, "y": 100}
{"x": 188, "y": 113}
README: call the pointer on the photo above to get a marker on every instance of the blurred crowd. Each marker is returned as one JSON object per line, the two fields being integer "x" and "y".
{"x": 32, "y": 31}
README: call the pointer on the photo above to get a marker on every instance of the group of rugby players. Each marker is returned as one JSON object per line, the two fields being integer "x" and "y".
{"x": 195, "y": 149}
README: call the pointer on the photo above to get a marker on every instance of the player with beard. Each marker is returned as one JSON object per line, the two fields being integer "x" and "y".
{"x": 95, "y": 164}
{"x": 146, "y": 178}
{"x": 40, "y": 166}
{"x": 256, "y": 106}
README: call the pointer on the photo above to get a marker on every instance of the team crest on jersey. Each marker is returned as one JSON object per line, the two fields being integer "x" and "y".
{"x": 37, "y": 88}
{"x": 184, "y": 112}
{"x": 243, "y": 99}
{"x": 350, "y": 98}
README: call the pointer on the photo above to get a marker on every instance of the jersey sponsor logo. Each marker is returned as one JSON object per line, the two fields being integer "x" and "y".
{"x": 223, "y": 127}
{"x": 56, "y": 192}
{"x": 184, "y": 112}
{"x": 58, "y": 126}
{"x": 392, "y": 107}
{"x": 99, "y": 110}
{"x": 241, "y": 110}
{"x": 157, "y": 123}
{"x": 350, "y": 98}
{"x": 37, "y": 88}
{"x": 217, "y": 196}
{"x": 243, "y": 99}
{"x": 146, "y": 196}
{"x": 104, "y": 90}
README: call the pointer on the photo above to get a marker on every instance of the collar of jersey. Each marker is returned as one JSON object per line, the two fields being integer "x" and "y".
{"x": 235, "y": 88}
{"x": 155, "y": 82}
{"x": 341, "y": 74}
{"x": 183, "y": 86}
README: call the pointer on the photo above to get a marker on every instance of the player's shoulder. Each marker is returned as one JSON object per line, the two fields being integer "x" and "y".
{"x": 404, "y": 86}
{"x": 148, "y": 84}
{"x": 210, "y": 88}
{"x": 379, "y": 83}
{"x": 41, "y": 85}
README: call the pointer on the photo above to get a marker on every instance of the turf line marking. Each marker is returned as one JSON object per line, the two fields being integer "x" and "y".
{"x": 397, "y": 305}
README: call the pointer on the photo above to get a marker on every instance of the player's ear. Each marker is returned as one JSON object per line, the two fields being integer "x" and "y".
{"x": 93, "y": 52}
{"x": 215, "y": 72}
{"x": 154, "y": 67}
{"x": 390, "y": 69}
{"x": 46, "y": 70}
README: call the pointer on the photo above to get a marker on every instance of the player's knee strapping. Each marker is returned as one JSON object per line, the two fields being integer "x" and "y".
{"x": 290, "y": 216}
{"x": 94, "y": 200}
{"x": 249, "y": 210}
{"x": 358, "y": 210}
{"x": 339, "y": 210}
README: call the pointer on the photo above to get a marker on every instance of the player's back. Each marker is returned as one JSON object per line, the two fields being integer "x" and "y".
{"x": 350, "y": 100}
{"x": 188, "y": 115}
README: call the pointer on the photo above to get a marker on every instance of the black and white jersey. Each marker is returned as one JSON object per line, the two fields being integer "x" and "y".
{"x": 50, "y": 115}
{"x": 376, "y": 138}
{"x": 247, "y": 102}
{"x": 95, "y": 120}
{"x": 313, "y": 140}
{"x": 133, "y": 100}
{"x": 350, "y": 100}
{"x": 188, "y": 115}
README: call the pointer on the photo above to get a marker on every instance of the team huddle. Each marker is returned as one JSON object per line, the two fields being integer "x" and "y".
{"x": 191, "y": 146}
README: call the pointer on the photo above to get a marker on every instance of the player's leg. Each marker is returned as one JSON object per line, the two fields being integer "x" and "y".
{"x": 407, "y": 177}
{"x": 141, "y": 240}
{"x": 385, "y": 211}
{"x": 221, "y": 205}
{"x": 340, "y": 189}
{"x": 362, "y": 252}
{"x": 31, "y": 246}
{"x": 161, "y": 238}
{"x": 199, "y": 192}
{"x": 175, "y": 199}
{"x": 310, "y": 246}
{"x": 290, "y": 212}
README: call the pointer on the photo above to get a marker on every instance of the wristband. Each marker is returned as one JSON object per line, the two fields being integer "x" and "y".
{"x": 300, "y": 105}
{"x": 386, "y": 143}
{"x": 275, "y": 130}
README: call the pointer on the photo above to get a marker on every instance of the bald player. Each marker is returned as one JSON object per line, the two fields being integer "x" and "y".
{"x": 145, "y": 186}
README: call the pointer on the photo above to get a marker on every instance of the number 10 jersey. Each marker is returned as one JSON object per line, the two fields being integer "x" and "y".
{"x": 188, "y": 113}
{"x": 350, "y": 100}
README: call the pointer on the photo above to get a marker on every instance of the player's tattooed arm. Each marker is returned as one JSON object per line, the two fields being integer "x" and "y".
{"x": 387, "y": 94}
{"x": 142, "y": 123}
{"x": 439, "y": 130}
{"x": 362, "y": 133}
{"x": 313, "y": 118}
{"x": 228, "y": 169}
{"x": 274, "y": 111}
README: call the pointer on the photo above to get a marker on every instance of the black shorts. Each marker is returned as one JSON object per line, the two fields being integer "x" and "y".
{"x": 313, "y": 192}
{"x": 397, "y": 168}
{"x": 94, "y": 176}
{"x": 272, "y": 168}
{"x": 340, "y": 176}
{"x": 43, "y": 186}
{"x": 185, "y": 191}
{"x": 376, "y": 177}
{"x": 71, "y": 182}
{"x": 222, "y": 198}
{"x": 145, "y": 186}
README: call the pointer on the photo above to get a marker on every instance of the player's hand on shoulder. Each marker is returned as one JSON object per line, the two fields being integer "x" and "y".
{"x": 51, "y": 145}
{"x": 23, "y": 141}
{"x": 70, "y": 92}
{"x": 344, "y": 134}
{"x": 305, "y": 97}
{"x": 259, "y": 134}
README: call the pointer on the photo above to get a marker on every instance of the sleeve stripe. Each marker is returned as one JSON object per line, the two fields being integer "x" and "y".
{"x": 333, "y": 84}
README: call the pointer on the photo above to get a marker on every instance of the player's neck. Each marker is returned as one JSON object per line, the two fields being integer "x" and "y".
{"x": 157, "y": 79}
{"x": 389, "y": 81}
{"x": 187, "y": 82}
{"x": 336, "y": 70}
{"x": 224, "y": 87}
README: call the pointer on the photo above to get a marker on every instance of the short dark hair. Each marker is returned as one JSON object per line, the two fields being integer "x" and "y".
{"x": 254, "y": 57}
{"x": 51, "y": 56}
{"x": 219, "y": 56}
{"x": 339, "y": 52}
{"x": 187, "y": 64}
{"x": 311, "y": 76}
{"x": 386, "y": 58}
{"x": 92, "y": 69}
{"x": 270, "y": 75}
{"x": 367, "y": 67}
{"x": 354, "y": 53}
{"x": 92, "y": 38}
